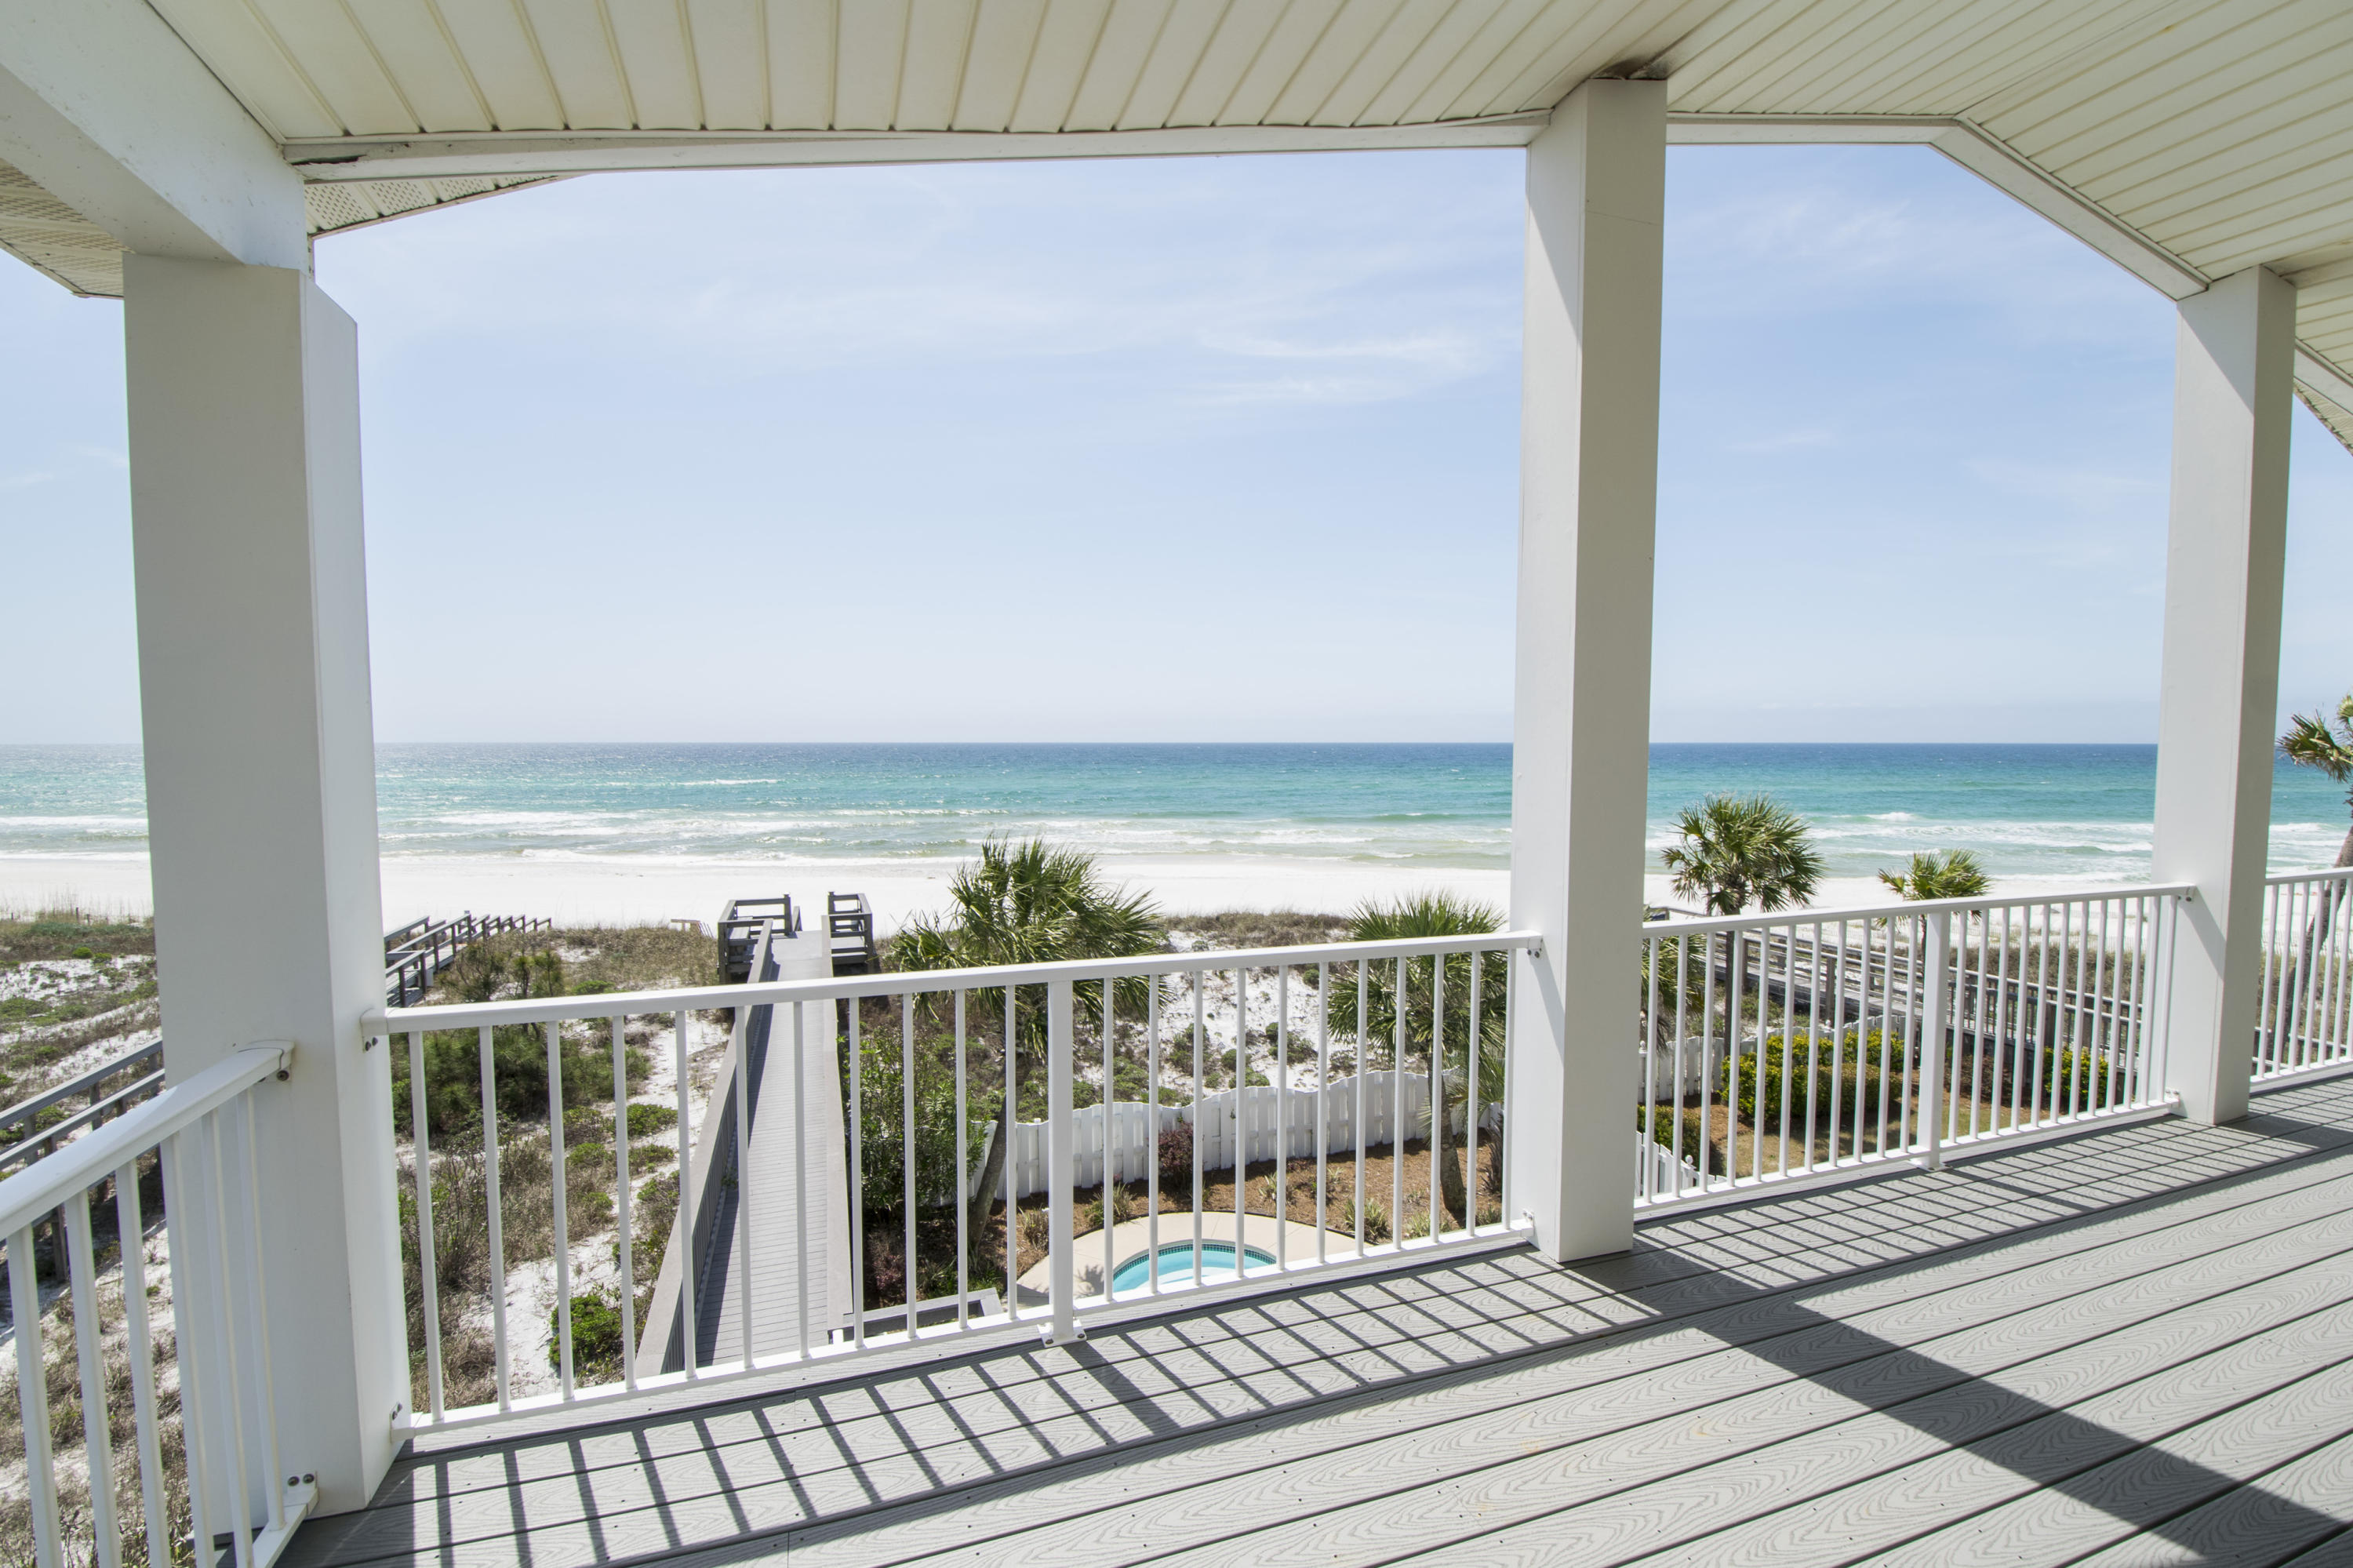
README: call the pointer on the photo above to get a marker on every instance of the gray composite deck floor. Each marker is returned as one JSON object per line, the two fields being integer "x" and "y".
{"x": 2130, "y": 1347}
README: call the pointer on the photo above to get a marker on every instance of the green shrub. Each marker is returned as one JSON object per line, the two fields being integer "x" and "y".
{"x": 598, "y": 1342}
{"x": 453, "y": 1076}
{"x": 1855, "y": 1083}
{"x": 645, "y": 1120}
{"x": 453, "y": 1072}
{"x": 2056, "y": 1080}
{"x": 882, "y": 1128}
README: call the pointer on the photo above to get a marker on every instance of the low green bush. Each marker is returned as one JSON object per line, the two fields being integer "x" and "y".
{"x": 598, "y": 1344}
{"x": 881, "y": 1127}
{"x": 519, "y": 1081}
{"x": 645, "y": 1120}
{"x": 1835, "y": 1072}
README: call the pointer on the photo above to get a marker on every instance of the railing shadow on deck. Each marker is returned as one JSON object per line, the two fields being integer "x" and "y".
{"x": 1744, "y": 1277}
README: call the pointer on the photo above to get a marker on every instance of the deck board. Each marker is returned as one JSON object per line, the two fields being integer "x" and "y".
{"x": 2034, "y": 1355}
{"x": 1404, "y": 1308}
{"x": 543, "y": 1497}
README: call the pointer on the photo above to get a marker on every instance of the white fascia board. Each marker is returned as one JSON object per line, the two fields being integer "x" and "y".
{"x": 104, "y": 108}
{"x": 2324, "y": 378}
{"x": 1975, "y": 150}
{"x": 579, "y": 153}
{"x": 1706, "y": 130}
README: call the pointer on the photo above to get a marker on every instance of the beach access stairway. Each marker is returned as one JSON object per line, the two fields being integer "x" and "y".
{"x": 850, "y": 939}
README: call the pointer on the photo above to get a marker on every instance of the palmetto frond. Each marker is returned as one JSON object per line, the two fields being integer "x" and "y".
{"x": 1426, "y": 915}
{"x": 2309, "y": 743}
{"x": 1738, "y": 848}
{"x": 1032, "y": 902}
{"x": 1948, "y": 874}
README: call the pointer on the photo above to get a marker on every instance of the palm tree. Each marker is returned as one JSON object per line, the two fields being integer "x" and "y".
{"x": 2309, "y": 743}
{"x": 1736, "y": 849}
{"x": 1028, "y": 902}
{"x": 1947, "y": 873}
{"x": 2312, "y": 743}
{"x": 1430, "y": 914}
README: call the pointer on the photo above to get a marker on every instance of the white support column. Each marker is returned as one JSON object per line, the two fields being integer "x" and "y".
{"x": 2234, "y": 359}
{"x": 253, "y": 667}
{"x": 1581, "y": 716}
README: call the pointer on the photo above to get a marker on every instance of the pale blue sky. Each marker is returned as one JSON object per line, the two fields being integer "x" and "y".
{"x": 1186, "y": 449}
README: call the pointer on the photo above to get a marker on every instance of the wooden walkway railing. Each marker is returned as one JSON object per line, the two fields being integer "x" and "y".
{"x": 414, "y": 954}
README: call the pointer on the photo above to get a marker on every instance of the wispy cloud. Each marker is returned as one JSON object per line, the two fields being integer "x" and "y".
{"x": 27, "y": 480}
{"x": 926, "y": 268}
{"x": 1787, "y": 441}
{"x": 2084, "y": 487}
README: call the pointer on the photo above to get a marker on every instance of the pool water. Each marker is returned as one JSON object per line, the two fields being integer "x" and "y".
{"x": 1176, "y": 1265}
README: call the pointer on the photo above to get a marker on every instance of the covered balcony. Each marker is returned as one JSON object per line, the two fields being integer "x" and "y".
{"x": 2004, "y": 1229}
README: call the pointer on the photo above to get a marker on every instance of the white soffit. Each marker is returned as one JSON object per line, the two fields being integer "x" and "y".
{"x": 2188, "y": 139}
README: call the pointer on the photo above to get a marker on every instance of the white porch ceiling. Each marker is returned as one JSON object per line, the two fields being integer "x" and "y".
{"x": 2188, "y": 138}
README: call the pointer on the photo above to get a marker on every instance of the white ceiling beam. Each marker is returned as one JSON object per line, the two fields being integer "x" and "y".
{"x": 580, "y": 153}
{"x": 104, "y": 108}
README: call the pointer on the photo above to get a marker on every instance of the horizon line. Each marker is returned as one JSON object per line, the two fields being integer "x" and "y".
{"x": 382, "y": 741}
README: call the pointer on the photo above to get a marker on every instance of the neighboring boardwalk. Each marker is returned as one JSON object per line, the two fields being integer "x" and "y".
{"x": 2131, "y": 1346}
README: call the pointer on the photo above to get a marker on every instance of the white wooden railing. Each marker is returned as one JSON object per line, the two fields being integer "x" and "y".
{"x": 1812, "y": 1045}
{"x": 2304, "y": 1022}
{"x": 1084, "y": 1030}
{"x": 197, "y": 1140}
{"x": 1816, "y": 1043}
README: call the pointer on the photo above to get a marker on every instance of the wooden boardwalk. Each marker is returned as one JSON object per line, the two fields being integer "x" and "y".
{"x": 2134, "y": 1346}
{"x": 795, "y": 1127}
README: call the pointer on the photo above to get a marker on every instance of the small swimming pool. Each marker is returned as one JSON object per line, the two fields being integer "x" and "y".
{"x": 1176, "y": 1265}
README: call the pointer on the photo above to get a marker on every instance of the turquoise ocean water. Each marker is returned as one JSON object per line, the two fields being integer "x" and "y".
{"x": 2046, "y": 811}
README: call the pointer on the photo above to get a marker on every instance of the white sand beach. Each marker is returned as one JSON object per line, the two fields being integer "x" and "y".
{"x": 647, "y": 889}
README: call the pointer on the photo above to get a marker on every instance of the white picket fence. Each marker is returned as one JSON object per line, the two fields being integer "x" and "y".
{"x": 1134, "y": 1141}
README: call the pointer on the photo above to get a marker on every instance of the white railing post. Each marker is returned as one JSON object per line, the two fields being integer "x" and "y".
{"x": 1936, "y": 1018}
{"x": 1060, "y": 1166}
{"x": 2225, "y": 564}
{"x": 1581, "y": 704}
